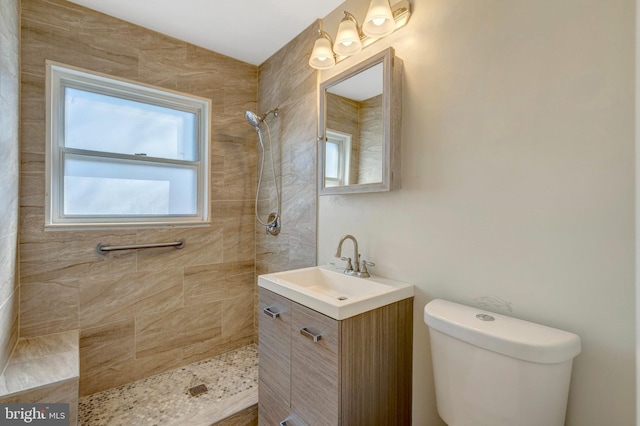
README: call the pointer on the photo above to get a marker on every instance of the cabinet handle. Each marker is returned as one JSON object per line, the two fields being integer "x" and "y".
{"x": 310, "y": 335}
{"x": 269, "y": 312}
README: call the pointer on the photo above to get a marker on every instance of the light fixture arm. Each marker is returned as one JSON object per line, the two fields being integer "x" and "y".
{"x": 326, "y": 35}
{"x": 348, "y": 16}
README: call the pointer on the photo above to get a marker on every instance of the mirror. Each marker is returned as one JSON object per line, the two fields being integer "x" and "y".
{"x": 358, "y": 149}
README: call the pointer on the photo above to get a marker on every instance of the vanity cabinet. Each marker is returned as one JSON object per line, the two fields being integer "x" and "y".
{"x": 318, "y": 371}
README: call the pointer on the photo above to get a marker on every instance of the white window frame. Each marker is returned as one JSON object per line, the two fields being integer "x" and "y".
{"x": 60, "y": 76}
{"x": 343, "y": 140}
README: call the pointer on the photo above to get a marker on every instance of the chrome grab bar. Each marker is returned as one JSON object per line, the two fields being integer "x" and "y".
{"x": 104, "y": 248}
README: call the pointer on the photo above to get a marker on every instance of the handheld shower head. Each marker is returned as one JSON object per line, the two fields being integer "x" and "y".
{"x": 255, "y": 119}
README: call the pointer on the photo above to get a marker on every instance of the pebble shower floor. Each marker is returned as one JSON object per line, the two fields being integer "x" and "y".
{"x": 164, "y": 400}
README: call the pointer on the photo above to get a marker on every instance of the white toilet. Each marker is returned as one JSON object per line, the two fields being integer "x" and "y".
{"x": 494, "y": 370}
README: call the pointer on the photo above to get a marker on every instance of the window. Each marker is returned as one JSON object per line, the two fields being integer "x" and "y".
{"x": 121, "y": 153}
{"x": 337, "y": 158}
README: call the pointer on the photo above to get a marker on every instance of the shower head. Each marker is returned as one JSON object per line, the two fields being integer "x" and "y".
{"x": 255, "y": 120}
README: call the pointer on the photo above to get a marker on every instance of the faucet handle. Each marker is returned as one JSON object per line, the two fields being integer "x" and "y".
{"x": 349, "y": 267}
{"x": 363, "y": 269}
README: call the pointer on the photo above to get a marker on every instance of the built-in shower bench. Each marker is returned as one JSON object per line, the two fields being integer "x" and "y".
{"x": 44, "y": 369}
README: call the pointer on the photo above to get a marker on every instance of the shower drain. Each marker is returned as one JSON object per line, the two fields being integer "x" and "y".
{"x": 198, "y": 390}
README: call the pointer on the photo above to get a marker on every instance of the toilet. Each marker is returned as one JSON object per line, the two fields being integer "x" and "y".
{"x": 494, "y": 370}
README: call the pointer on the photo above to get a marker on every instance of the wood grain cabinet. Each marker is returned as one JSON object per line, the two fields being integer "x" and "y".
{"x": 318, "y": 371}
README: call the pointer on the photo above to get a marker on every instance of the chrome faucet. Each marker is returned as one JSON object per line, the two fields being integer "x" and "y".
{"x": 351, "y": 269}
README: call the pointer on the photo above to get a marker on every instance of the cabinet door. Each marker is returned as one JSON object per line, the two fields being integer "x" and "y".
{"x": 273, "y": 412}
{"x": 315, "y": 392}
{"x": 275, "y": 344}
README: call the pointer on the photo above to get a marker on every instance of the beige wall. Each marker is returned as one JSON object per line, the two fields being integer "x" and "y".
{"x": 518, "y": 181}
{"x": 139, "y": 313}
{"x": 9, "y": 152}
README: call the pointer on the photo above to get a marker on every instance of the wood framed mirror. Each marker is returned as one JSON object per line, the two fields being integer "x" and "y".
{"x": 360, "y": 127}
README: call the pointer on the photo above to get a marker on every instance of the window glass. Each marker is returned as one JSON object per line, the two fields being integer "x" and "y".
{"x": 105, "y": 187}
{"x": 97, "y": 122}
{"x": 332, "y": 162}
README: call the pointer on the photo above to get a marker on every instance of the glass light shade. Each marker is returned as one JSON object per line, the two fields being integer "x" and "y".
{"x": 348, "y": 40}
{"x": 379, "y": 21}
{"x": 322, "y": 55}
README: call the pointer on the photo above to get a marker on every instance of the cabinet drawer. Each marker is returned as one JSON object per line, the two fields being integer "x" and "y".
{"x": 275, "y": 343}
{"x": 315, "y": 377}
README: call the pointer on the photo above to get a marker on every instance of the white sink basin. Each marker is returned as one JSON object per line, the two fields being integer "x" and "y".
{"x": 333, "y": 293}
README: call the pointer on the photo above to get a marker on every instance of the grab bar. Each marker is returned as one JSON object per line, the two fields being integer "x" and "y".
{"x": 104, "y": 248}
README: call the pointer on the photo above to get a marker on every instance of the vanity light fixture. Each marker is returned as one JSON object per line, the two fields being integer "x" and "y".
{"x": 381, "y": 20}
{"x": 322, "y": 56}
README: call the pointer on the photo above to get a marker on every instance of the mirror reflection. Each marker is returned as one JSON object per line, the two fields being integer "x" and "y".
{"x": 354, "y": 129}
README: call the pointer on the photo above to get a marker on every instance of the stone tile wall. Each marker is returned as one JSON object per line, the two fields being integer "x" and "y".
{"x": 287, "y": 82}
{"x": 139, "y": 313}
{"x": 371, "y": 140}
{"x": 9, "y": 176}
{"x": 343, "y": 115}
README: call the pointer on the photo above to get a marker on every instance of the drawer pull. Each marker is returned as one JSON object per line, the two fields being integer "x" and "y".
{"x": 310, "y": 335}
{"x": 269, "y": 312}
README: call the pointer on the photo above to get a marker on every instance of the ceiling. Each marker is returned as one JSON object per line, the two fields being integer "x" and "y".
{"x": 248, "y": 30}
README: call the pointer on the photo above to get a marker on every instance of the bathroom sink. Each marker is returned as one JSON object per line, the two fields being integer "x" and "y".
{"x": 333, "y": 293}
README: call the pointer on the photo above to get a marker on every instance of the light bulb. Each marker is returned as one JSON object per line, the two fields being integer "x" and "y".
{"x": 378, "y": 21}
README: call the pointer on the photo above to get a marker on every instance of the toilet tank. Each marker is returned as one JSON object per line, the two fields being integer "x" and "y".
{"x": 494, "y": 370}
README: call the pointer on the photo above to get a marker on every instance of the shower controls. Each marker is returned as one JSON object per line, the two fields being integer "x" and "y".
{"x": 273, "y": 224}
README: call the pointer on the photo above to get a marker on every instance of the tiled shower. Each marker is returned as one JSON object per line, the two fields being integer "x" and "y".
{"x": 147, "y": 312}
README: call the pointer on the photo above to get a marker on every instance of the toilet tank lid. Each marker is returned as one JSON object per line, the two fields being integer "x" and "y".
{"x": 506, "y": 335}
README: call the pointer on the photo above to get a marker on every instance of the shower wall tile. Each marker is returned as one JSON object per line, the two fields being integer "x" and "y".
{"x": 204, "y": 245}
{"x": 107, "y": 358}
{"x": 163, "y": 332}
{"x": 234, "y": 322}
{"x": 239, "y": 241}
{"x": 109, "y": 298}
{"x": 209, "y": 283}
{"x": 107, "y": 345}
{"x": 9, "y": 327}
{"x": 231, "y": 208}
{"x": 75, "y": 258}
{"x": 9, "y": 174}
{"x": 147, "y": 311}
{"x": 8, "y": 281}
{"x": 48, "y": 307}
